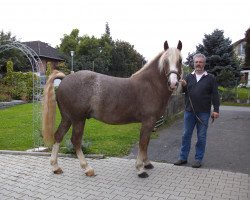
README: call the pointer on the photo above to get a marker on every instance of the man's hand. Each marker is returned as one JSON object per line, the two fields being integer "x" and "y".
{"x": 215, "y": 115}
{"x": 183, "y": 82}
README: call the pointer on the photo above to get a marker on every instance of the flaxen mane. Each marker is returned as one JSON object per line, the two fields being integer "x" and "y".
{"x": 148, "y": 64}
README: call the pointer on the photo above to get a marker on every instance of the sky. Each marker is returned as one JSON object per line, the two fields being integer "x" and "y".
{"x": 146, "y": 24}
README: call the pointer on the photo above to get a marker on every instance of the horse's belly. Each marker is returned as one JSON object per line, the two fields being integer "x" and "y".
{"x": 116, "y": 119}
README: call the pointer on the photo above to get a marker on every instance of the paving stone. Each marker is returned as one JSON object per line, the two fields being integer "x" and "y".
{"x": 30, "y": 177}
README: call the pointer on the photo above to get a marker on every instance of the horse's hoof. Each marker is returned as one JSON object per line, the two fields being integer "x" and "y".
{"x": 143, "y": 175}
{"x": 149, "y": 166}
{"x": 58, "y": 171}
{"x": 90, "y": 172}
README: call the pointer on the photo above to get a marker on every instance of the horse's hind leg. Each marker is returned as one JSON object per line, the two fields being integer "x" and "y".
{"x": 142, "y": 161}
{"x": 61, "y": 131}
{"x": 76, "y": 140}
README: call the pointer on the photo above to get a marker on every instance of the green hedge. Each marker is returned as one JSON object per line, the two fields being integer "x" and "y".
{"x": 234, "y": 94}
{"x": 17, "y": 85}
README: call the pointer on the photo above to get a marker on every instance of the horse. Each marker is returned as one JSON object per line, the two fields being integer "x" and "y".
{"x": 140, "y": 98}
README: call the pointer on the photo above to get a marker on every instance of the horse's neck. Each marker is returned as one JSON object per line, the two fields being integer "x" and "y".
{"x": 157, "y": 79}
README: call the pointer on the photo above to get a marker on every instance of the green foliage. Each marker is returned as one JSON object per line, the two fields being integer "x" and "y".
{"x": 125, "y": 59}
{"x": 226, "y": 77}
{"x": 234, "y": 94}
{"x": 102, "y": 55}
{"x": 227, "y": 94}
{"x": 221, "y": 58}
{"x": 247, "y": 48}
{"x": 19, "y": 84}
{"x": 4, "y": 92}
{"x": 63, "y": 68}
{"x": 9, "y": 79}
{"x": 69, "y": 42}
{"x": 16, "y": 56}
{"x": 48, "y": 69}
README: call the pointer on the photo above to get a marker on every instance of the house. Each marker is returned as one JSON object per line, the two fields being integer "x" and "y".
{"x": 46, "y": 54}
{"x": 239, "y": 48}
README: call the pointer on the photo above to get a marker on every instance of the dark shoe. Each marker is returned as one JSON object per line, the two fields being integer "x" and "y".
{"x": 197, "y": 164}
{"x": 180, "y": 162}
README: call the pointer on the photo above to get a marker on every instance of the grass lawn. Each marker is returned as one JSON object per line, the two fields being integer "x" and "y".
{"x": 16, "y": 128}
{"x": 111, "y": 140}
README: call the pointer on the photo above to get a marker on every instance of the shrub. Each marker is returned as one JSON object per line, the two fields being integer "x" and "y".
{"x": 233, "y": 94}
{"x": 20, "y": 84}
{"x": 228, "y": 95}
{"x": 5, "y": 97}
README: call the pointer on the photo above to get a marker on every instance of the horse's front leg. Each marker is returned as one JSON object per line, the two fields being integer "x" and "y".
{"x": 76, "y": 140}
{"x": 142, "y": 161}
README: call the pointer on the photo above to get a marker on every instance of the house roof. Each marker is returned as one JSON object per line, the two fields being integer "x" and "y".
{"x": 238, "y": 42}
{"x": 44, "y": 50}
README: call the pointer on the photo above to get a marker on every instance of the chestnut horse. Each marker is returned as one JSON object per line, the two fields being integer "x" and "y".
{"x": 142, "y": 98}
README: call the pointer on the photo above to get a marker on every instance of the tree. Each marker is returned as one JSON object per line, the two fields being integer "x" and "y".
{"x": 70, "y": 42}
{"x": 221, "y": 59}
{"x": 102, "y": 55}
{"x": 247, "y": 48}
{"x": 125, "y": 59}
{"x": 107, "y": 29}
{"x": 91, "y": 55}
{"x": 19, "y": 60}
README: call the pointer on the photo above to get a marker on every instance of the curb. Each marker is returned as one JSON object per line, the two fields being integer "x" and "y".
{"x": 94, "y": 156}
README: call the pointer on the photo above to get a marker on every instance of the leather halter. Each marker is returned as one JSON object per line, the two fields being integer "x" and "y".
{"x": 173, "y": 72}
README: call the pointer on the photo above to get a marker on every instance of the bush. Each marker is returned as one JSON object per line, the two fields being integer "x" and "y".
{"x": 233, "y": 94}
{"x": 4, "y": 92}
{"x": 20, "y": 91}
{"x": 5, "y": 97}
{"x": 228, "y": 95}
{"x": 20, "y": 85}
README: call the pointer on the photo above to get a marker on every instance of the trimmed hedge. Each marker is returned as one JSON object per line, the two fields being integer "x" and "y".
{"x": 17, "y": 85}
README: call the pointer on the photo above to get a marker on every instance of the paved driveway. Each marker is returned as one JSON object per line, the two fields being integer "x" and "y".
{"x": 26, "y": 177}
{"x": 228, "y": 142}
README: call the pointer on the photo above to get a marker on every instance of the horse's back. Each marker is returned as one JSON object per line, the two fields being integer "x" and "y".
{"x": 96, "y": 95}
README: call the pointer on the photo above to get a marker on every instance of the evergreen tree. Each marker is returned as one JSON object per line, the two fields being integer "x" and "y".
{"x": 107, "y": 29}
{"x": 247, "y": 48}
{"x": 221, "y": 59}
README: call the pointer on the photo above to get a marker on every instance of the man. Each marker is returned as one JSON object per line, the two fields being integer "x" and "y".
{"x": 201, "y": 91}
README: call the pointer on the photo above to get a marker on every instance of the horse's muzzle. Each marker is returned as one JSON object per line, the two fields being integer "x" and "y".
{"x": 173, "y": 87}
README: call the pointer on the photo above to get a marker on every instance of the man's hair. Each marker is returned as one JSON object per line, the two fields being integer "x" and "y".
{"x": 199, "y": 55}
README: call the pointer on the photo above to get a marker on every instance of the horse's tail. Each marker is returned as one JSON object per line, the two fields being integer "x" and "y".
{"x": 49, "y": 108}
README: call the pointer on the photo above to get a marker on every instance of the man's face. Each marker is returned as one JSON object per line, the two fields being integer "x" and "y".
{"x": 199, "y": 64}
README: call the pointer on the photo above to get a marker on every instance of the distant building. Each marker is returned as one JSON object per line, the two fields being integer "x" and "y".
{"x": 46, "y": 54}
{"x": 239, "y": 48}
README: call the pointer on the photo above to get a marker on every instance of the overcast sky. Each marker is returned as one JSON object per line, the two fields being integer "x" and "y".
{"x": 146, "y": 24}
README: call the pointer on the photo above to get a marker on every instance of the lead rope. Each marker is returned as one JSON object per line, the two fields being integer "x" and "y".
{"x": 199, "y": 119}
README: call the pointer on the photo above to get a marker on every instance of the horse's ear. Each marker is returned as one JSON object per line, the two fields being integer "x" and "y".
{"x": 166, "y": 45}
{"x": 179, "y": 46}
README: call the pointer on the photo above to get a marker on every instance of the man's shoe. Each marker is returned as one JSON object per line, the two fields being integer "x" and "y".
{"x": 180, "y": 162}
{"x": 197, "y": 164}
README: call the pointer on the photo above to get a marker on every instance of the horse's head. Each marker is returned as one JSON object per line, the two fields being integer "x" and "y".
{"x": 171, "y": 64}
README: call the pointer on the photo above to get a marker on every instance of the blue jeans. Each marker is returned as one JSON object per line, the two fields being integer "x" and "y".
{"x": 190, "y": 121}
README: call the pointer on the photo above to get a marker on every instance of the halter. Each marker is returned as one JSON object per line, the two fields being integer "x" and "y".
{"x": 173, "y": 72}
